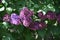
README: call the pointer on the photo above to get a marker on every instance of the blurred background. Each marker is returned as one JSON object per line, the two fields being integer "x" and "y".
{"x": 12, "y": 32}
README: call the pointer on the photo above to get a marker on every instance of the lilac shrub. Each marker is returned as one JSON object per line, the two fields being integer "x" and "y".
{"x": 25, "y": 19}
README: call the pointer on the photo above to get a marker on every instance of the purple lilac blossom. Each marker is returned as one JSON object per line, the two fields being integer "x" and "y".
{"x": 51, "y": 15}
{"x": 6, "y": 18}
{"x": 15, "y": 19}
{"x": 37, "y": 25}
{"x": 25, "y": 12}
{"x": 25, "y": 16}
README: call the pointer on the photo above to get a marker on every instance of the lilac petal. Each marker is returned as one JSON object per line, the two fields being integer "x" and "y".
{"x": 43, "y": 17}
{"x": 34, "y": 26}
{"x": 16, "y": 22}
{"x": 22, "y": 15}
{"x": 27, "y": 21}
{"x": 28, "y": 12}
{"x": 42, "y": 25}
{"x": 14, "y": 16}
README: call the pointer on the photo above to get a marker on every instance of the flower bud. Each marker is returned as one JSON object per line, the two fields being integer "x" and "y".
{"x": 41, "y": 16}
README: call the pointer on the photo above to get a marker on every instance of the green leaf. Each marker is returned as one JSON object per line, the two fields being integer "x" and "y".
{"x": 41, "y": 33}
{"x": 28, "y": 35}
{"x": 7, "y": 37}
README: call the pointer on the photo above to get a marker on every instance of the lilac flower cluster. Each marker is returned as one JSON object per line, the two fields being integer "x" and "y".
{"x": 25, "y": 19}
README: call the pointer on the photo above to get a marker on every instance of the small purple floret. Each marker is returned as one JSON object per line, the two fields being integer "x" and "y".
{"x": 15, "y": 19}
